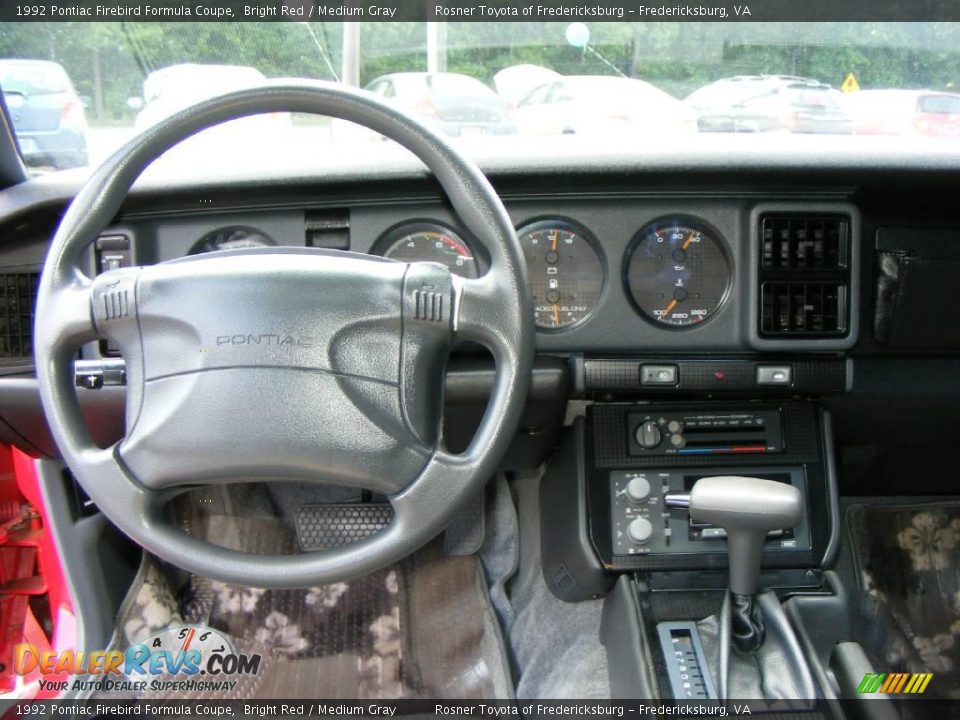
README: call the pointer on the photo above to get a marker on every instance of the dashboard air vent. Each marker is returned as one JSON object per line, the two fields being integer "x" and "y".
{"x": 804, "y": 275}
{"x": 328, "y": 229}
{"x": 18, "y": 296}
{"x": 795, "y": 308}
{"x": 798, "y": 242}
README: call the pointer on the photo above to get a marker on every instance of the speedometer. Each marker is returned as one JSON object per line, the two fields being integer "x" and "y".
{"x": 677, "y": 272}
{"x": 565, "y": 270}
{"x": 429, "y": 242}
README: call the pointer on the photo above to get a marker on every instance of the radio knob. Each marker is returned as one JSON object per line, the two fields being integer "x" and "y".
{"x": 648, "y": 435}
{"x": 675, "y": 426}
{"x": 640, "y": 530}
{"x": 638, "y": 489}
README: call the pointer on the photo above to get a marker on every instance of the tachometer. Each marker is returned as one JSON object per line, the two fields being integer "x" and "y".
{"x": 677, "y": 272}
{"x": 429, "y": 242}
{"x": 231, "y": 238}
{"x": 565, "y": 270}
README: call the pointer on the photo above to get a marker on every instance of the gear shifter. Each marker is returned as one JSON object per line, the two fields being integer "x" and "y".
{"x": 747, "y": 508}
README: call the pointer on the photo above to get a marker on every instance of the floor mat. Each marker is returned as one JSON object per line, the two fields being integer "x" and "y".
{"x": 907, "y": 563}
{"x": 421, "y": 628}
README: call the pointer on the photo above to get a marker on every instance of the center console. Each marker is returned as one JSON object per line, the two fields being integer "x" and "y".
{"x": 621, "y": 519}
{"x": 602, "y": 499}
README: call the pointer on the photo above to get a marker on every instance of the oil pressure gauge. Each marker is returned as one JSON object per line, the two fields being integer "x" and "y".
{"x": 677, "y": 272}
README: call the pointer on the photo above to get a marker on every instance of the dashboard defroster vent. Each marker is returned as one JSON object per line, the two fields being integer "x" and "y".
{"x": 18, "y": 297}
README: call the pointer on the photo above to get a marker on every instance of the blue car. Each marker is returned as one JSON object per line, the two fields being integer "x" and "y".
{"x": 47, "y": 113}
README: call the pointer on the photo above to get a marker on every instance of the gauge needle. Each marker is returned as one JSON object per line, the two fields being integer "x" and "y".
{"x": 556, "y": 314}
{"x": 553, "y": 242}
{"x": 671, "y": 306}
{"x": 189, "y": 638}
{"x": 687, "y": 243}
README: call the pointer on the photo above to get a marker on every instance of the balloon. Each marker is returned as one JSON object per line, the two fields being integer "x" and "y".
{"x": 578, "y": 35}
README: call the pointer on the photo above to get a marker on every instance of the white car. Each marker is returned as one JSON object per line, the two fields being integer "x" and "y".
{"x": 602, "y": 106}
{"x": 171, "y": 89}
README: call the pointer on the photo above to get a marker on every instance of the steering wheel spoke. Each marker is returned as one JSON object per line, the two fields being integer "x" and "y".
{"x": 479, "y": 312}
{"x": 70, "y": 319}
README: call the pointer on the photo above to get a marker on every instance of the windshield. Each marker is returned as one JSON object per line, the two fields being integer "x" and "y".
{"x": 619, "y": 85}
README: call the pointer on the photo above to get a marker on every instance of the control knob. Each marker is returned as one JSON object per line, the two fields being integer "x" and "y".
{"x": 648, "y": 435}
{"x": 638, "y": 489}
{"x": 640, "y": 530}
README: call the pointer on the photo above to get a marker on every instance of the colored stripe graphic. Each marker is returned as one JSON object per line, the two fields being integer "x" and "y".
{"x": 894, "y": 683}
{"x": 870, "y": 682}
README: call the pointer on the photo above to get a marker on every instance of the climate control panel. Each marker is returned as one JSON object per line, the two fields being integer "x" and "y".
{"x": 659, "y": 432}
{"x": 642, "y": 524}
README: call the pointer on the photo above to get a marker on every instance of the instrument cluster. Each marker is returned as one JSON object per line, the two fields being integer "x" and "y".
{"x": 676, "y": 270}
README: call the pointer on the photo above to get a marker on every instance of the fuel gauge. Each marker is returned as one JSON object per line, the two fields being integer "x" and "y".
{"x": 566, "y": 273}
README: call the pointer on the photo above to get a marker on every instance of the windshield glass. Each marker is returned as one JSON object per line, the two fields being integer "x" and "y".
{"x": 76, "y": 91}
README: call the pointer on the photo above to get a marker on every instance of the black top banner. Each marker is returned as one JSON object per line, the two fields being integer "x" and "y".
{"x": 480, "y": 11}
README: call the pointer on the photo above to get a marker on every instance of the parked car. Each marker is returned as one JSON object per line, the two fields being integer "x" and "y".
{"x": 171, "y": 89}
{"x": 769, "y": 103}
{"x": 602, "y": 106}
{"x": 514, "y": 83}
{"x": 904, "y": 112}
{"x": 457, "y": 105}
{"x": 47, "y": 113}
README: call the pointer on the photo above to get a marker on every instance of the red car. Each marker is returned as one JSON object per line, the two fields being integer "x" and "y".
{"x": 905, "y": 112}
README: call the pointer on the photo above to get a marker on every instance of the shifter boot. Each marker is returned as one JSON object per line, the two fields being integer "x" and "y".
{"x": 776, "y": 671}
{"x": 747, "y": 623}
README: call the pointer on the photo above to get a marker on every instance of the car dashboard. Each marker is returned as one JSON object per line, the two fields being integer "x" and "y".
{"x": 654, "y": 277}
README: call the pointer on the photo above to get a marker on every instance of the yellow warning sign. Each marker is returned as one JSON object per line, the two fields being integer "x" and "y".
{"x": 850, "y": 84}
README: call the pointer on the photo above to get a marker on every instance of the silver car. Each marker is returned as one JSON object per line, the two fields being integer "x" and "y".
{"x": 457, "y": 105}
{"x": 47, "y": 113}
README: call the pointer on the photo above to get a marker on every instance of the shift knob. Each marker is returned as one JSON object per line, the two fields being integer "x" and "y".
{"x": 747, "y": 508}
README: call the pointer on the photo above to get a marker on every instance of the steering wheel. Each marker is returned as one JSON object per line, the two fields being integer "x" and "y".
{"x": 294, "y": 364}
